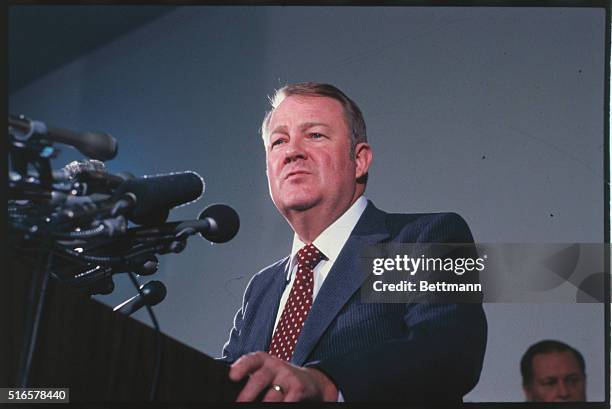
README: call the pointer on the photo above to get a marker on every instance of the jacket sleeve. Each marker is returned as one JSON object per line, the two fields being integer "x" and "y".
{"x": 232, "y": 348}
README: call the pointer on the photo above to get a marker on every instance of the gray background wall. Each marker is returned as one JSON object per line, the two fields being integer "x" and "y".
{"x": 494, "y": 113}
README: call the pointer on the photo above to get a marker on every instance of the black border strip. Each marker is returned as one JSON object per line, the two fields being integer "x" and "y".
{"x": 607, "y": 208}
{"x": 366, "y": 3}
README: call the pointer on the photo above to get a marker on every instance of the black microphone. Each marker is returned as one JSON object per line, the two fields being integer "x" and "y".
{"x": 95, "y": 145}
{"x": 218, "y": 223}
{"x": 153, "y": 293}
{"x": 74, "y": 168}
{"x": 223, "y": 220}
{"x": 101, "y": 182}
{"x": 148, "y": 200}
{"x": 90, "y": 176}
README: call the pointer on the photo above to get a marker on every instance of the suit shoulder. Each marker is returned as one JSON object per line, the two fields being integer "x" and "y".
{"x": 267, "y": 273}
{"x": 430, "y": 227}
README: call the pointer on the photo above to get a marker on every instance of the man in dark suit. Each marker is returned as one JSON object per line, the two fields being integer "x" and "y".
{"x": 303, "y": 332}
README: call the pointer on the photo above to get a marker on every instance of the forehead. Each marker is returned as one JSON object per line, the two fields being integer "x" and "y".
{"x": 298, "y": 109}
{"x": 555, "y": 363}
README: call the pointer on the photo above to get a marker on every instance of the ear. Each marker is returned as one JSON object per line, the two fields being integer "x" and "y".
{"x": 363, "y": 159}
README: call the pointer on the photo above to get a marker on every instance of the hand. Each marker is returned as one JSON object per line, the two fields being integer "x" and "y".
{"x": 297, "y": 383}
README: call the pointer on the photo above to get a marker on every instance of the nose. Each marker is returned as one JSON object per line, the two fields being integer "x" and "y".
{"x": 562, "y": 390}
{"x": 294, "y": 150}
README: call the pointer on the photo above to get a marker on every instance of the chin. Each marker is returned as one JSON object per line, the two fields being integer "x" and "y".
{"x": 297, "y": 204}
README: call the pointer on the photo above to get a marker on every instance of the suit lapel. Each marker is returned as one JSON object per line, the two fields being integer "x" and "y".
{"x": 345, "y": 277}
{"x": 268, "y": 307}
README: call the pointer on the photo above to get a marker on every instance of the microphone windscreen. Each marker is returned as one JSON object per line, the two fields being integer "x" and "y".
{"x": 95, "y": 145}
{"x": 156, "y": 195}
{"x": 226, "y": 223}
{"x": 154, "y": 292}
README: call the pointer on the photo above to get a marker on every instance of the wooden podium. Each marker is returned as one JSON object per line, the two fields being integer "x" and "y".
{"x": 101, "y": 355}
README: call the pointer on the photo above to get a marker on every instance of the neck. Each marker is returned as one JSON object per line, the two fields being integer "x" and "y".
{"x": 309, "y": 224}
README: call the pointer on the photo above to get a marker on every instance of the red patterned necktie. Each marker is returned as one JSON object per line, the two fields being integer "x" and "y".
{"x": 298, "y": 304}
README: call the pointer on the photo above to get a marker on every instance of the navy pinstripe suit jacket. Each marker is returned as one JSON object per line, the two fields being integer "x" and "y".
{"x": 374, "y": 352}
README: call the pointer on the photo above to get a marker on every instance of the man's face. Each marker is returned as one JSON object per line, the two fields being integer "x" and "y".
{"x": 308, "y": 156}
{"x": 557, "y": 377}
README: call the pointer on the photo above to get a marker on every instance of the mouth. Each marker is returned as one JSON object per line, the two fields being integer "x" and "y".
{"x": 296, "y": 173}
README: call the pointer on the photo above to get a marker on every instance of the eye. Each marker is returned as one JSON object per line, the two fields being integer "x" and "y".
{"x": 316, "y": 135}
{"x": 277, "y": 142}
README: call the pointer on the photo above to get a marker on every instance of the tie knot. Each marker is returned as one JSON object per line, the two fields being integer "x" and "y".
{"x": 309, "y": 256}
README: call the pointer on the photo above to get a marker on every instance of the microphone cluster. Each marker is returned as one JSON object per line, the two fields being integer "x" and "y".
{"x": 96, "y": 223}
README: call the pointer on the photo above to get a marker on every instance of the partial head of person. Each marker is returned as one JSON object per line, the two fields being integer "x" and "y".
{"x": 317, "y": 154}
{"x": 553, "y": 372}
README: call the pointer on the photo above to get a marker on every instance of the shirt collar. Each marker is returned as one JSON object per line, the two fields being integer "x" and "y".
{"x": 332, "y": 239}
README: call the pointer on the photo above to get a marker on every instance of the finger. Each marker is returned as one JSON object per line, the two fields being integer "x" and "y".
{"x": 258, "y": 381}
{"x": 293, "y": 396}
{"x": 245, "y": 365}
{"x": 274, "y": 396}
{"x": 297, "y": 390}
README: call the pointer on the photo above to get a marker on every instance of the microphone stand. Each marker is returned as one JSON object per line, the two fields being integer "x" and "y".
{"x": 158, "y": 339}
{"x": 31, "y": 336}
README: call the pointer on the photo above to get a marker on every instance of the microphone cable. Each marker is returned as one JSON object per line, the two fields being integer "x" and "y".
{"x": 158, "y": 351}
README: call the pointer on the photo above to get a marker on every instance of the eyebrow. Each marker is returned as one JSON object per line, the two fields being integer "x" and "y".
{"x": 305, "y": 125}
{"x": 279, "y": 129}
{"x": 557, "y": 377}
